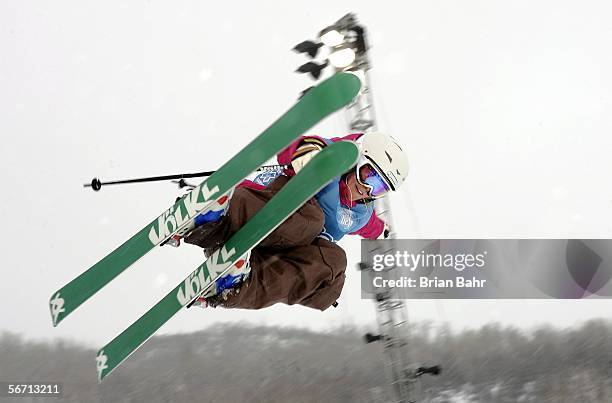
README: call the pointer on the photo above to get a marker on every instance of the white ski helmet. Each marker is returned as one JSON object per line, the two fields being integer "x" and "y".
{"x": 383, "y": 153}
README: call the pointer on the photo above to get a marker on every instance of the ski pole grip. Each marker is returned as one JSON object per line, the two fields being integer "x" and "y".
{"x": 95, "y": 184}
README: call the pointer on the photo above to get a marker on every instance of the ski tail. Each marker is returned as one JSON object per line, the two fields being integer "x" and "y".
{"x": 331, "y": 162}
{"x": 327, "y": 97}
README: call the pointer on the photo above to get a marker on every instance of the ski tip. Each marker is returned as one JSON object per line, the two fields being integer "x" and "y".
{"x": 346, "y": 86}
{"x": 56, "y": 307}
{"x": 101, "y": 366}
{"x": 351, "y": 79}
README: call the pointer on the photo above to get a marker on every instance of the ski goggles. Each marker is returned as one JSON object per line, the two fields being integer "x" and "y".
{"x": 373, "y": 180}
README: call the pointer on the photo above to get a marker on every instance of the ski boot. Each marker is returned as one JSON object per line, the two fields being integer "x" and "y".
{"x": 227, "y": 284}
{"x": 213, "y": 214}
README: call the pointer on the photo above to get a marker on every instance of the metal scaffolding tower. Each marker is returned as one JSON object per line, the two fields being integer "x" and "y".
{"x": 346, "y": 40}
{"x": 391, "y": 312}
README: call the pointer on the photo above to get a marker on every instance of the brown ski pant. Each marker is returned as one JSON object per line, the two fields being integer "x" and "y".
{"x": 291, "y": 265}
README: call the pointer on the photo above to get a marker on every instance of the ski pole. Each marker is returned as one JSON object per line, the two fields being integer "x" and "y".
{"x": 96, "y": 184}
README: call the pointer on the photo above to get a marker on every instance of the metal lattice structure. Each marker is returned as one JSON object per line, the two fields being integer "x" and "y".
{"x": 391, "y": 311}
{"x": 346, "y": 40}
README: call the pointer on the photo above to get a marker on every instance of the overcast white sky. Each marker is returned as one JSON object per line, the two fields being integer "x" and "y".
{"x": 504, "y": 107}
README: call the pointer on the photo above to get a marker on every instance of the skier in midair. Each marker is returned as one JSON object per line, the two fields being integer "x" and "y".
{"x": 300, "y": 262}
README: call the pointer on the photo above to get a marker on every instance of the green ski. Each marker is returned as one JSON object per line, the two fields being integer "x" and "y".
{"x": 327, "y": 97}
{"x": 331, "y": 162}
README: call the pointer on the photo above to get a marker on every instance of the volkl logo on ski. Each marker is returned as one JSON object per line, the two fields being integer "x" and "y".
{"x": 205, "y": 275}
{"x": 173, "y": 219}
{"x": 57, "y": 306}
{"x": 101, "y": 360}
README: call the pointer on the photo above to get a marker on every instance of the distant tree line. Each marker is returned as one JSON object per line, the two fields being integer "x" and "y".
{"x": 238, "y": 363}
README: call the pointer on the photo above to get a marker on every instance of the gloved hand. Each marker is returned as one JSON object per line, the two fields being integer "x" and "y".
{"x": 385, "y": 233}
{"x": 299, "y": 163}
